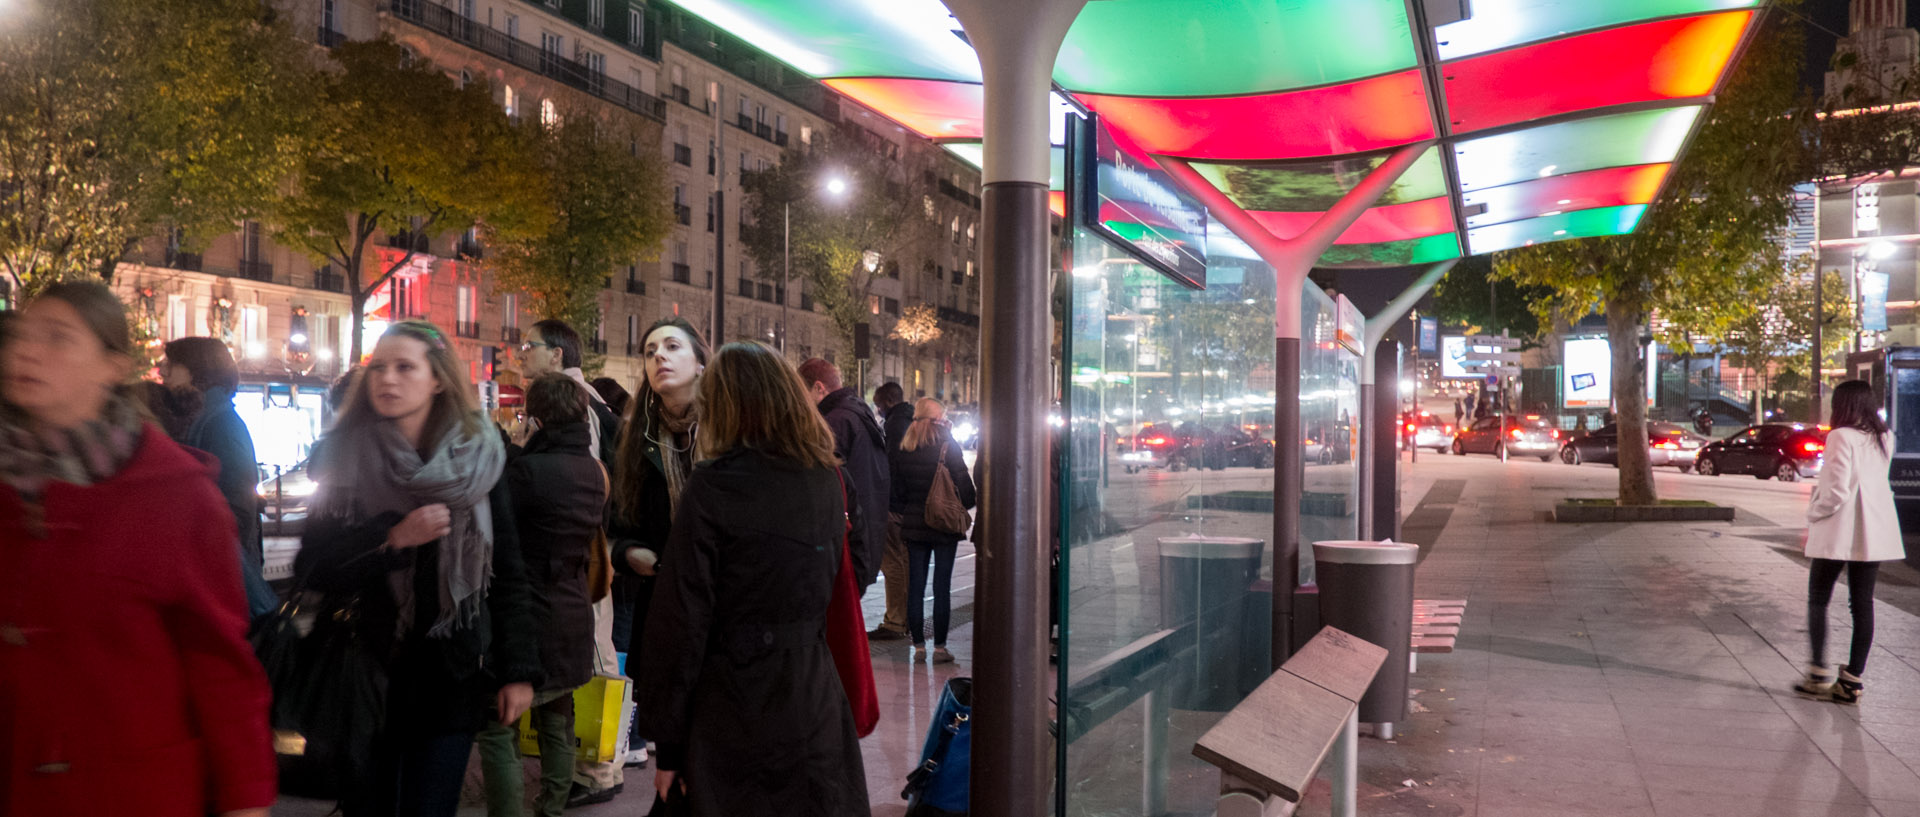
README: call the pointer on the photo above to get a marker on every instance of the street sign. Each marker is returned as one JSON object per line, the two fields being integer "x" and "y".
{"x": 1503, "y": 357}
{"x": 1491, "y": 367}
{"x": 1507, "y": 371}
{"x": 1500, "y": 341}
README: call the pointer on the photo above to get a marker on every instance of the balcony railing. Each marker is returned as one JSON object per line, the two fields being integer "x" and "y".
{"x": 408, "y": 239}
{"x": 510, "y": 334}
{"x": 189, "y": 261}
{"x": 806, "y": 302}
{"x": 955, "y": 316}
{"x": 682, "y": 274}
{"x": 325, "y": 279}
{"x": 255, "y": 270}
{"x": 470, "y": 250}
{"x": 328, "y": 38}
{"x": 746, "y": 288}
{"x": 764, "y": 131}
{"x": 636, "y": 286}
{"x": 448, "y": 23}
{"x": 600, "y": 345}
{"x": 682, "y": 95}
{"x": 683, "y": 214}
{"x": 467, "y": 329}
{"x": 766, "y": 292}
{"x": 683, "y": 155}
{"x": 780, "y": 138}
{"x": 745, "y": 122}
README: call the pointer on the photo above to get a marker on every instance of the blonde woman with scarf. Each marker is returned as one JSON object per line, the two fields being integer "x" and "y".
{"x": 413, "y": 516}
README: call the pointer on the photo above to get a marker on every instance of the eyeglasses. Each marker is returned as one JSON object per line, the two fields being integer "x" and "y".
{"x": 534, "y": 344}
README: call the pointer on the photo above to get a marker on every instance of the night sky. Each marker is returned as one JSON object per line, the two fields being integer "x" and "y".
{"x": 1832, "y": 16}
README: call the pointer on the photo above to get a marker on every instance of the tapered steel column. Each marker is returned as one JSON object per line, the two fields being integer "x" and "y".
{"x": 1291, "y": 259}
{"x": 1370, "y": 415}
{"x": 1017, "y": 41}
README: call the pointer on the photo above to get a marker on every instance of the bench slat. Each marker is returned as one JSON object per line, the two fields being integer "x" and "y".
{"x": 1420, "y": 630}
{"x": 1278, "y": 737}
{"x": 1433, "y": 643}
{"x": 1436, "y": 619}
{"x": 1339, "y": 662}
{"x": 1442, "y": 602}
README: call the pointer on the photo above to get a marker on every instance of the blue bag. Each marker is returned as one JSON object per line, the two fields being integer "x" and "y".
{"x": 938, "y": 787}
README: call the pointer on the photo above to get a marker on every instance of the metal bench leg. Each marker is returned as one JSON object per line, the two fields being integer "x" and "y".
{"x": 1345, "y": 774}
{"x": 1154, "y": 768}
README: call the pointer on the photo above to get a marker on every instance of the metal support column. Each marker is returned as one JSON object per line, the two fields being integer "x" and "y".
{"x": 1017, "y": 41}
{"x": 1291, "y": 260}
{"x": 1376, "y": 331}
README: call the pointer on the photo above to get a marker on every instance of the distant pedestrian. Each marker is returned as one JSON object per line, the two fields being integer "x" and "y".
{"x": 202, "y": 373}
{"x": 127, "y": 685}
{"x": 740, "y": 685}
{"x": 1459, "y": 412}
{"x": 927, "y": 447}
{"x": 860, "y": 444}
{"x": 1851, "y": 527}
{"x": 896, "y": 416}
{"x": 559, "y": 501}
{"x": 414, "y": 517}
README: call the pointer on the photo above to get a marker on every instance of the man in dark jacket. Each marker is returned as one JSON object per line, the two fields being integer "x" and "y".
{"x": 896, "y": 415}
{"x": 858, "y": 442}
{"x": 203, "y": 372}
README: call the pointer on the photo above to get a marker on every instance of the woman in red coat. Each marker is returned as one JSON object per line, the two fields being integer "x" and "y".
{"x": 126, "y": 682}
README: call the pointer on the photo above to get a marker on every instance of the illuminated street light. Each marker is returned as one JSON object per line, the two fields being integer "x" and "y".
{"x": 1881, "y": 250}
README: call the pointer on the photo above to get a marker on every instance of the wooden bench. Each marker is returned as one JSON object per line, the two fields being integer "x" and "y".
{"x": 1436, "y": 624}
{"x": 1270, "y": 746}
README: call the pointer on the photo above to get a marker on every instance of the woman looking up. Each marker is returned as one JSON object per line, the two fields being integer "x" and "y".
{"x": 740, "y": 683}
{"x": 1851, "y": 528}
{"x": 412, "y": 515}
{"x": 126, "y": 682}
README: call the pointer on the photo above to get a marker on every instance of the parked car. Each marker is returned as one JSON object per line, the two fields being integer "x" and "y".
{"x": 1164, "y": 445}
{"x": 1784, "y": 451}
{"x": 1667, "y": 444}
{"x": 1242, "y": 448}
{"x": 1428, "y": 431}
{"x": 1521, "y": 436}
{"x": 283, "y": 501}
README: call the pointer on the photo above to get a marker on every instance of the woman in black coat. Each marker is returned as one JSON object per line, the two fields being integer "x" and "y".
{"x": 928, "y": 445}
{"x": 559, "y": 499}
{"x": 202, "y": 376}
{"x": 739, "y": 688}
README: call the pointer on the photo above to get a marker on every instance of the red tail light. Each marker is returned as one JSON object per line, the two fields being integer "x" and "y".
{"x": 1555, "y": 432}
{"x": 1156, "y": 441}
{"x": 1409, "y": 426}
{"x": 1517, "y": 433}
{"x": 1813, "y": 446}
{"x": 1667, "y": 444}
{"x": 1449, "y": 428}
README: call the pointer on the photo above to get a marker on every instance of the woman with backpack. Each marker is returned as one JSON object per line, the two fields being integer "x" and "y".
{"x": 1851, "y": 528}
{"x": 926, "y": 448}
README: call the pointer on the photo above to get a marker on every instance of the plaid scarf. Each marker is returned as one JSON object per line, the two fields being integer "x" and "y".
{"x": 88, "y": 453}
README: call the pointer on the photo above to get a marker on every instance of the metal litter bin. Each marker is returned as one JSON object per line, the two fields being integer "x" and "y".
{"x": 1366, "y": 588}
{"x": 1206, "y": 585}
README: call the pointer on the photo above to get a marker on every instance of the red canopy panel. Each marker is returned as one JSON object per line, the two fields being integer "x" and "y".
{"x": 1354, "y": 117}
{"x": 937, "y": 109}
{"x": 1393, "y": 222}
{"x": 1682, "y": 58}
{"x": 1606, "y": 187}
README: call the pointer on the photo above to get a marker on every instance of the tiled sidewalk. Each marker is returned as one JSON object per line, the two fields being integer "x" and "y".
{"x": 1636, "y": 669}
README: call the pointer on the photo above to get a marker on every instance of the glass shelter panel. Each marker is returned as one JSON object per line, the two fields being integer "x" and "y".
{"x": 1166, "y": 513}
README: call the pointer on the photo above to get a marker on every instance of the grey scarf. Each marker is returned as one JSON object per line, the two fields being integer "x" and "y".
{"x": 373, "y": 470}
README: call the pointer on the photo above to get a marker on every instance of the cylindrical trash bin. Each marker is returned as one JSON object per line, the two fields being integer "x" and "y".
{"x": 1366, "y": 589}
{"x": 1205, "y": 584}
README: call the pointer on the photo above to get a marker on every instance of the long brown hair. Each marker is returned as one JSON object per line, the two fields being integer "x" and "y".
{"x": 1854, "y": 406}
{"x": 454, "y": 405}
{"x": 928, "y": 416}
{"x": 751, "y": 397}
{"x": 643, "y": 419}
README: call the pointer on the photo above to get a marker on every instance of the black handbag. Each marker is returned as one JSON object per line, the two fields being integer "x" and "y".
{"x": 329, "y": 695}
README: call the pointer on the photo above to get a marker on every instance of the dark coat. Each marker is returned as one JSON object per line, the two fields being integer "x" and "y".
{"x": 644, "y": 527}
{"x": 559, "y": 502}
{"x": 126, "y": 682}
{"x": 895, "y": 423}
{"x": 218, "y": 430}
{"x": 858, "y": 442}
{"x": 739, "y": 686}
{"x": 913, "y": 478}
{"x": 438, "y": 685}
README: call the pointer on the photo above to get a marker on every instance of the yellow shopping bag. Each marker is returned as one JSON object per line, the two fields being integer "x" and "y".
{"x": 602, "y": 717}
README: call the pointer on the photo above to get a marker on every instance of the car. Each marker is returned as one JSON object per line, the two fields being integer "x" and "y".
{"x": 1429, "y": 431}
{"x": 1163, "y": 445}
{"x": 1788, "y": 452}
{"x": 1521, "y": 436}
{"x": 1240, "y": 447}
{"x": 1667, "y": 444}
{"x": 283, "y": 501}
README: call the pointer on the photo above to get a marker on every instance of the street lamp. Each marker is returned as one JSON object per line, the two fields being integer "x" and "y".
{"x": 834, "y": 186}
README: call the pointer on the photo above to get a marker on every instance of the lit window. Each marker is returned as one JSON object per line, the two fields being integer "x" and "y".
{"x": 549, "y": 115}
{"x": 507, "y": 101}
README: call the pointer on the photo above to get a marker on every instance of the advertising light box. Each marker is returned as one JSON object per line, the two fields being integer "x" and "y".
{"x": 1586, "y": 373}
{"x": 1453, "y": 357}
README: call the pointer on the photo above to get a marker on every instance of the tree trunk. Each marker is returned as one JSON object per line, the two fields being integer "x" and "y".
{"x": 1624, "y": 318}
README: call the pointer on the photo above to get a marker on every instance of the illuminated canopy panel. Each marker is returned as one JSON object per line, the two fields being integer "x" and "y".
{"x": 1557, "y": 118}
{"x": 1600, "y": 221}
{"x": 1500, "y": 24}
{"x": 1608, "y": 187}
{"x": 1316, "y": 186}
{"x": 1354, "y": 117}
{"x": 1179, "y": 48}
{"x": 1673, "y": 59}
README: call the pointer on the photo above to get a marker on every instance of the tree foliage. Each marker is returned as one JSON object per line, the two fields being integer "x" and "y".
{"x": 609, "y": 206}
{"x": 405, "y": 147}
{"x": 1472, "y": 296}
{"x": 838, "y": 243}
{"x": 121, "y": 118}
{"x": 1774, "y": 339}
{"x": 1706, "y": 249}
{"x": 919, "y": 325}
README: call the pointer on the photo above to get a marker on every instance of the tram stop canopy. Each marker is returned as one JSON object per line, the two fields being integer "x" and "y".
{"x": 1549, "y": 119}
